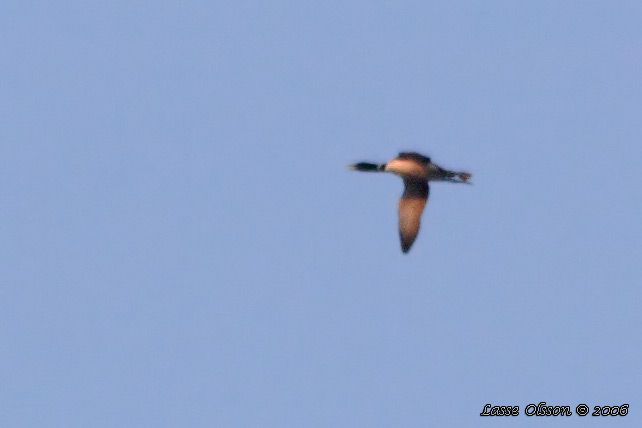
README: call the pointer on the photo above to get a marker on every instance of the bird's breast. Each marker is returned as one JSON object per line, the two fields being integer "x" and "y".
{"x": 407, "y": 168}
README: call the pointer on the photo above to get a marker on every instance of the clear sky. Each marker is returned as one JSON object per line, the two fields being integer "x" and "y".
{"x": 182, "y": 245}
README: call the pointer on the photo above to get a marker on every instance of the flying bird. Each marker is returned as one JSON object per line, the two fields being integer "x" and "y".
{"x": 416, "y": 171}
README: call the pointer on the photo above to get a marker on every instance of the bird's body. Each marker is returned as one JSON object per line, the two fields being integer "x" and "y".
{"x": 416, "y": 170}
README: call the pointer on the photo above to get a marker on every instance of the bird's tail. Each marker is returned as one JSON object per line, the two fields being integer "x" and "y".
{"x": 464, "y": 176}
{"x": 456, "y": 177}
{"x": 365, "y": 166}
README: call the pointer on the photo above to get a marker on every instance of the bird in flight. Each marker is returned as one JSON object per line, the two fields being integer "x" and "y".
{"x": 416, "y": 171}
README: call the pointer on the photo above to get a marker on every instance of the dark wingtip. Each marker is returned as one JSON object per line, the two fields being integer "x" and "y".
{"x": 365, "y": 166}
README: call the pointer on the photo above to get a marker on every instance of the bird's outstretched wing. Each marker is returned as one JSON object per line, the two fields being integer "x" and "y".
{"x": 411, "y": 205}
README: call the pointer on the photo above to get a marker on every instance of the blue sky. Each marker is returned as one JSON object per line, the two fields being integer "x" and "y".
{"x": 182, "y": 245}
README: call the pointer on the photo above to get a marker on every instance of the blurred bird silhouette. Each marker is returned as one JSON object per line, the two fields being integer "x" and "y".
{"x": 416, "y": 170}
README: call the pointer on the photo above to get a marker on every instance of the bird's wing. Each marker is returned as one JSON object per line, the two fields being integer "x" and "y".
{"x": 411, "y": 205}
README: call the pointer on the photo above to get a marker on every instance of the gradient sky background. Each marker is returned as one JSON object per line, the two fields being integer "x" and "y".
{"x": 181, "y": 244}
